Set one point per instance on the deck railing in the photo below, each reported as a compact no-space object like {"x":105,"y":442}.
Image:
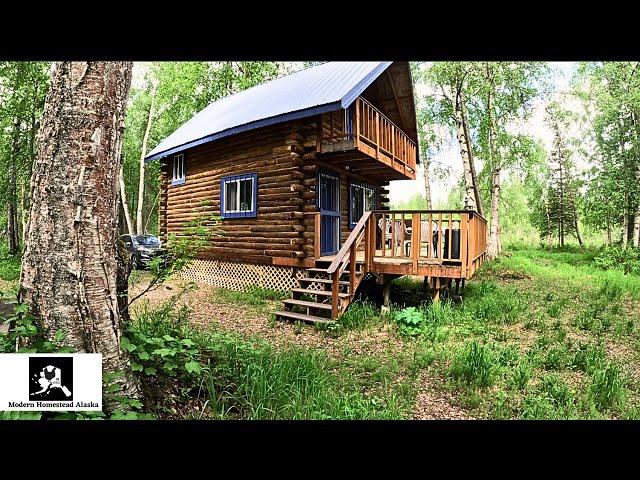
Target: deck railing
{"x":367,"y":129}
{"x":454,"y":238}
{"x":439,"y":243}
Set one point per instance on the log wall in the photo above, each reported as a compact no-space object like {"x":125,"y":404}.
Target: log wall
{"x":284,"y":157}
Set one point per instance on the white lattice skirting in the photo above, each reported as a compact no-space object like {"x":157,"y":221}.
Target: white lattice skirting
{"x":239,"y":276}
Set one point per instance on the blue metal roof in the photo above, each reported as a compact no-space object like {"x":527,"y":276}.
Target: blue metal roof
{"x":312,"y":91}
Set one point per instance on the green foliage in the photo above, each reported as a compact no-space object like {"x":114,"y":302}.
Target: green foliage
{"x":474,"y":364}
{"x":240,"y":378}
{"x":9,"y":265}
{"x":626,"y":259}
{"x":607,"y":388}
{"x":409,"y":321}
{"x":359,"y":315}
{"x":294,"y":383}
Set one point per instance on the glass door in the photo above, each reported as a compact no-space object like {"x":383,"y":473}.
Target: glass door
{"x":329,"y":205}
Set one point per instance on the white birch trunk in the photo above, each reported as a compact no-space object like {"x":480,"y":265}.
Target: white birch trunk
{"x":69,"y":268}
{"x":145,"y":139}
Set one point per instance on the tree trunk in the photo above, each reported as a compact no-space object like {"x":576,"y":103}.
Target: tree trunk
{"x":625,"y":229}
{"x":608,"y":232}
{"x":145,"y":139}
{"x":125,"y":205}
{"x":470,"y":202}
{"x":69,"y":268}
{"x":493,"y":245}
{"x":577,"y":231}
{"x":472,"y":163}
{"x":427,"y":184}
{"x":636,"y":223}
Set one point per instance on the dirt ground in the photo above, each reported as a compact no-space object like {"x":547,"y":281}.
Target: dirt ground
{"x":431,"y":403}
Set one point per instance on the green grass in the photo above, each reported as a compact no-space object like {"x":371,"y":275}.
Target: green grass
{"x":253,"y":296}
{"x":293,"y":383}
{"x":9,"y":273}
{"x":542,"y":333}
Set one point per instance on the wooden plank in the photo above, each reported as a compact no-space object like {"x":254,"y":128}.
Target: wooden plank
{"x":415,"y":239}
{"x":430,"y":236}
{"x":464,"y":238}
{"x":316,"y":235}
{"x":449,"y":242}
{"x":440,"y":242}
{"x":393,"y":234}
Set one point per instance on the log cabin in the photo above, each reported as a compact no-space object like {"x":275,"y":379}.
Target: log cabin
{"x":297,"y":171}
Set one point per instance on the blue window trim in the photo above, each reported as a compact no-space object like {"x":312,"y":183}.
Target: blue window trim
{"x":179,"y":181}
{"x":254,"y":208}
{"x":357,"y":183}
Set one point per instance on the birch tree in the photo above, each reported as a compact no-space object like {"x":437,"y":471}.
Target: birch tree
{"x":69,"y":268}
{"x":505,"y":95}
{"x":452,"y":84}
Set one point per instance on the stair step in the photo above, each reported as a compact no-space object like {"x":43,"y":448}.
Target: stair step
{"x":317,"y":270}
{"x":303,"y":317}
{"x":323,"y":293}
{"x":322,"y":280}
{"x":304,"y":303}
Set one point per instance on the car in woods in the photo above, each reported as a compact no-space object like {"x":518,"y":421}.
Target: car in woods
{"x":143,"y":249}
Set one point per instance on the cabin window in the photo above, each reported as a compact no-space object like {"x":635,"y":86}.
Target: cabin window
{"x":239,"y":196}
{"x":363,"y":199}
{"x":178,"y":170}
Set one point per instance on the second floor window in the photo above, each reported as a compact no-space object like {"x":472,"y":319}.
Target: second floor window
{"x":239,"y":196}
{"x":178,"y":170}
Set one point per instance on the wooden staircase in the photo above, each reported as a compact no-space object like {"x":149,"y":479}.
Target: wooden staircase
{"x":330,"y":286}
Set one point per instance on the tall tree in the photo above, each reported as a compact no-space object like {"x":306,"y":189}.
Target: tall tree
{"x":69,"y":266}
{"x":452,"y":84}
{"x":22,"y":87}
{"x":145,"y":141}
{"x":560,"y":216}
{"x":506,"y":92}
{"x":611,"y":90}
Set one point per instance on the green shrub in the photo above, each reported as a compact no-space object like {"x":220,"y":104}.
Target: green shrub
{"x":409,"y":321}
{"x":615,"y":257}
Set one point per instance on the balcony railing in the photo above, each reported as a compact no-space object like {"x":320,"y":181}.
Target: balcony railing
{"x":363,"y":127}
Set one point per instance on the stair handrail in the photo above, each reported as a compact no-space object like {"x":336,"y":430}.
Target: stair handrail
{"x":353,"y":236}
{"x":339,"y":262}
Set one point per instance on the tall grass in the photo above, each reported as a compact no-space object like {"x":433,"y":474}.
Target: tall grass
{"x":474,"y":364}
{"x":293,"y":383}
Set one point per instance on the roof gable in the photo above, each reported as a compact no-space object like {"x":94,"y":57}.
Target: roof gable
{"x":311,"y":91}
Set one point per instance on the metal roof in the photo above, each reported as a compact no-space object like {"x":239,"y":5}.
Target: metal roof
{"x":312,"y":91}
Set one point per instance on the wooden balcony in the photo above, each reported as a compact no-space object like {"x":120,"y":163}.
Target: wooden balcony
{"x":382,"y":149}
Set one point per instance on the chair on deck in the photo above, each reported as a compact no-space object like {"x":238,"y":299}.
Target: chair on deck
{"x":406,"y":244}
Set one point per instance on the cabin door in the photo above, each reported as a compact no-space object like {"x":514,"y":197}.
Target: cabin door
{"x":329,"y":205}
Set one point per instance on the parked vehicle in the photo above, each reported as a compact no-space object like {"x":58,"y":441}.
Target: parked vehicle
{"x":143,"y":249}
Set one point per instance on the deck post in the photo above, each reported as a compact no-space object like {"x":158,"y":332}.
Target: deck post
{"x":435,"y":294}
{"x":386,"y":290}
{"x":335,"y":290}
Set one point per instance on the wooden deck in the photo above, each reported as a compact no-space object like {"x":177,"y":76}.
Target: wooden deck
{"x":439,"y":245}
